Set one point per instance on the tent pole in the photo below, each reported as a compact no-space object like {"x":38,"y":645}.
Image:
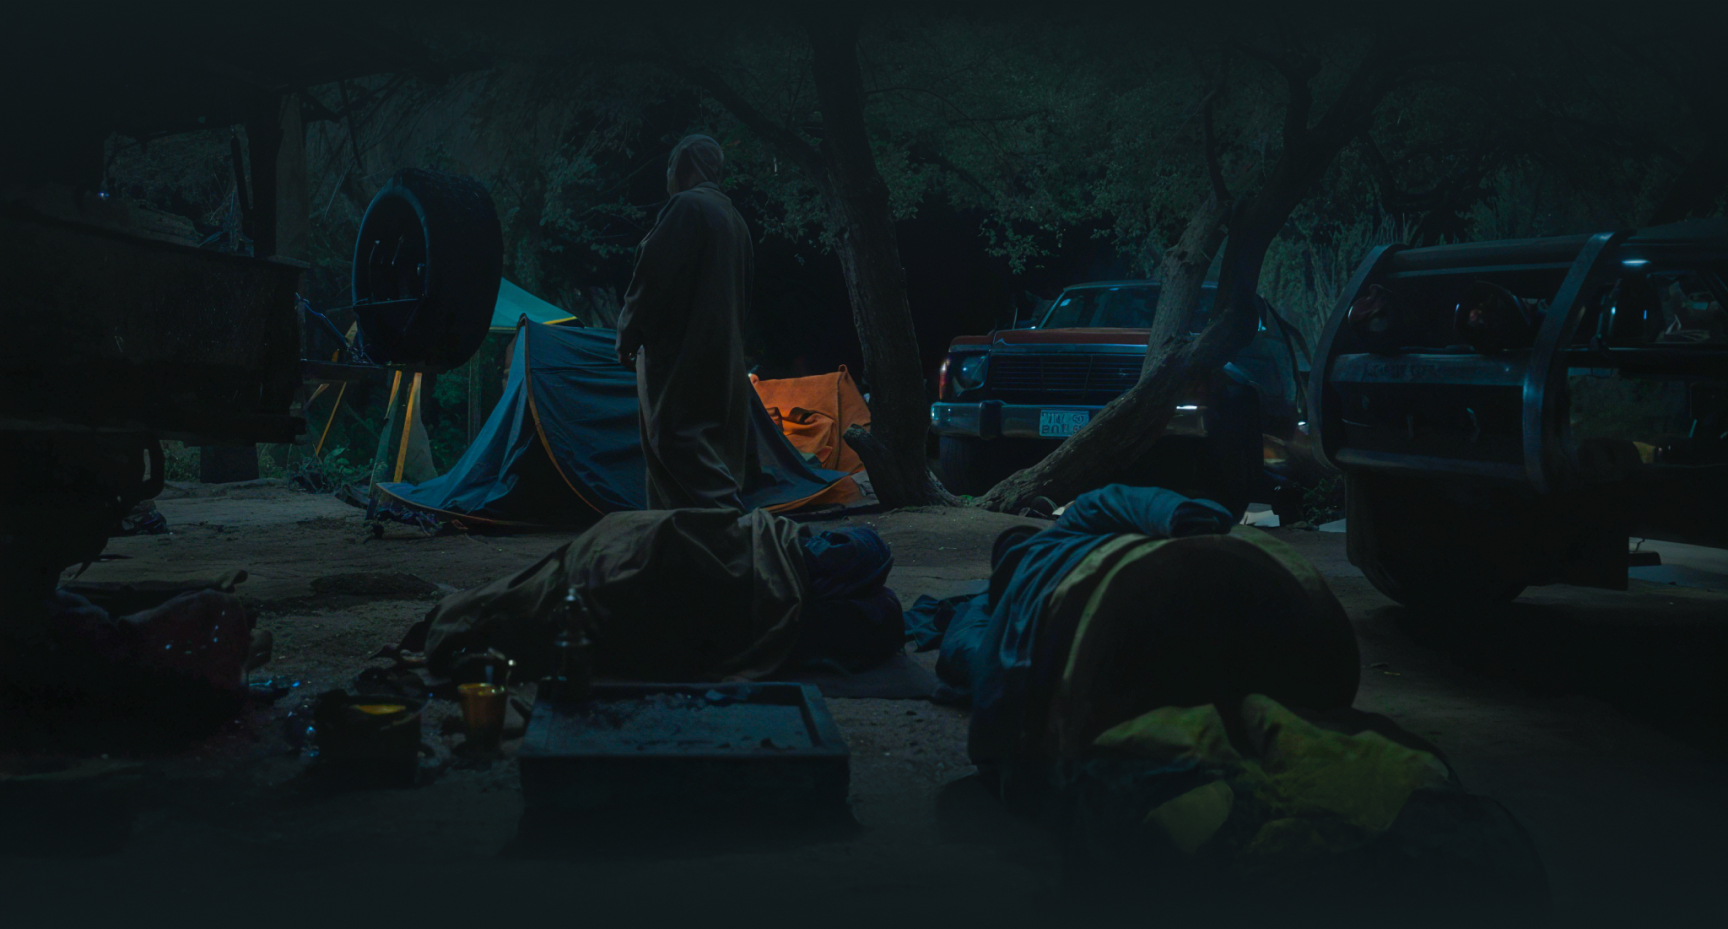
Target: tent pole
{"x":378,"y":458}
{"x":407,"y":427}
{"x":473,"y":397}
{"x":334,"y":409}
{"x":395,"y":382}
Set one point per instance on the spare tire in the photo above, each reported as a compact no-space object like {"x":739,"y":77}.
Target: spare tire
{"x":427,"y":263}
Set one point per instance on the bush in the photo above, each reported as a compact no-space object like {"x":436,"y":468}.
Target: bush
{"x":179,"y":461}
{"x":328,"y":474}
{"x":1323,"y":502}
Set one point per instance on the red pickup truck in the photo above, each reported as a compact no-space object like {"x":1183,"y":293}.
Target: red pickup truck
{"x":1007,"y":399}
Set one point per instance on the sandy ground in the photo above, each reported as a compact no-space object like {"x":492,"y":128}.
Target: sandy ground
{"x":1597,"y":717}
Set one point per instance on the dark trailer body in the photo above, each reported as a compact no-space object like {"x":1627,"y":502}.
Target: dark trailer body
{"x":120,"y":332}
{"x":1586,"y":408}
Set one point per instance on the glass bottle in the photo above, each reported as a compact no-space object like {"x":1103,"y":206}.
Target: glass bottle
{"x":572,"y":652}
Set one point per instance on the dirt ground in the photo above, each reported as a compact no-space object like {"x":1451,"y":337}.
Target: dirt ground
{"x":1596,"y":717}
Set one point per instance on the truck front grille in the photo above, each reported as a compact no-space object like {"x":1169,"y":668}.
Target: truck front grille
{"x":1069,"y":376}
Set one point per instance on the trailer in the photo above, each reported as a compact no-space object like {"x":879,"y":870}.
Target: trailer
{"x":1509,"y":414}
{"x":121,"y":331}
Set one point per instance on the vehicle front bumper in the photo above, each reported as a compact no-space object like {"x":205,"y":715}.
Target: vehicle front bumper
{"x":993,"y":419}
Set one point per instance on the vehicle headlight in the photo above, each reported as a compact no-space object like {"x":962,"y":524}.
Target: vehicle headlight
{"x":969,"y":372}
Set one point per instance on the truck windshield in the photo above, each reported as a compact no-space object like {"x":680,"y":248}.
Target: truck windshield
{"x":1129,"y":306}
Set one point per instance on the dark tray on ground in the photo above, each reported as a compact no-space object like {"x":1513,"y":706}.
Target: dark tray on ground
{"x":684,"y":751}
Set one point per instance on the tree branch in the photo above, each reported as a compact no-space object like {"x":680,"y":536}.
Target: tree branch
{"x":942,"y":161}
{"x":796,"y":148}
{"x":1296,"y":77}
{"x":961,"y":116}
{"x":319,"y":112}
{"x":1214,"y":169}
{"x":1353,"y":110}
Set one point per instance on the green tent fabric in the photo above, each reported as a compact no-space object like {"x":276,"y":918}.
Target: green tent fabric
{"x":515,"y":303}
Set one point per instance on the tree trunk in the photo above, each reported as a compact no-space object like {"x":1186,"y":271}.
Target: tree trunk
{"x":877,"y":458}
{"x":869,"y":254}
{"x":1182,"y":273}
{"x":264,"y":147}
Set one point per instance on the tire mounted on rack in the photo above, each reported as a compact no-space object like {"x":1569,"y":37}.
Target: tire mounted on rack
{"x":427,"y":263}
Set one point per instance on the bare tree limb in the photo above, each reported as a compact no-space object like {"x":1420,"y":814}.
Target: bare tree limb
{"x":959,"y":111}
{"x":1214,"y":169}
{"x":1296,"y":81}
{"x":353,"y":131}
{"x":794,"y":146}
{"x":942,"y":161}
{"x":1395,"y":200}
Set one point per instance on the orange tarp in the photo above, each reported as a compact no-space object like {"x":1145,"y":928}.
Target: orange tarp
{"x":814,"y":412}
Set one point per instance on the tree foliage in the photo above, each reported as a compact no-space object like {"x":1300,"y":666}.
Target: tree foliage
{"x":1051,"y":131}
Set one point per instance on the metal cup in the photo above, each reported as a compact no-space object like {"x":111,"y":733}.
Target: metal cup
{"x":483,"y":713}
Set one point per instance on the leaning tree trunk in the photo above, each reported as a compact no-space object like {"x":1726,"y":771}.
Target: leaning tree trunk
{"x":1182,"y":274}
{"x":1125,"y":429}
{"x":863,"y":222}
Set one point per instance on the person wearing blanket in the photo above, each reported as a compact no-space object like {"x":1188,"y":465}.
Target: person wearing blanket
{"x":1136,"y":598}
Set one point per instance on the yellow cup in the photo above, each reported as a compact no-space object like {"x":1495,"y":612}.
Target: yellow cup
{"x":483,"y":713}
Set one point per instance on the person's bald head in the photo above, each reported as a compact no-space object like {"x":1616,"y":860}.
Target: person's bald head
{"x":694,"y":160}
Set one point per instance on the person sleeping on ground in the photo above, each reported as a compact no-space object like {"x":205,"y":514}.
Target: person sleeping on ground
{"x":685,"y":595}
{"x":1170,"y":693}
{"x":1136,"y":598}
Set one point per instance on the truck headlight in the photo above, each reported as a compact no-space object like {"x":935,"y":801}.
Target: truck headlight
{"x":969,"y":372}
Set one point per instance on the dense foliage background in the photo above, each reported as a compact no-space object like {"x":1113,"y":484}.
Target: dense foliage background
{"x":1024,"y":150}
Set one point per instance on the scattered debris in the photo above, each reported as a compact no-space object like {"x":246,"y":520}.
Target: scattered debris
{"x":144,"y":519}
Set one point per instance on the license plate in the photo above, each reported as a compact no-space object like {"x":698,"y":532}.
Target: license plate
{"x":1061,"y":423}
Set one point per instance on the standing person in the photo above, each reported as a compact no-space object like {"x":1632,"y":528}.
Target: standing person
{"x":682,"y":329}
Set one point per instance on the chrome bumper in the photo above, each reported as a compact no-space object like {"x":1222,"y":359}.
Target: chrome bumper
{"x":993,"y":419}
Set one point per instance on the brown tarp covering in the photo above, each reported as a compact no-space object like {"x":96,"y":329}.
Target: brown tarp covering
{"x":814,"y":413}
{"x":677,"y":595}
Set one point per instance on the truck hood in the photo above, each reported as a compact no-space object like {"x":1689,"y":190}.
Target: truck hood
{"x":1035,"y":337}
